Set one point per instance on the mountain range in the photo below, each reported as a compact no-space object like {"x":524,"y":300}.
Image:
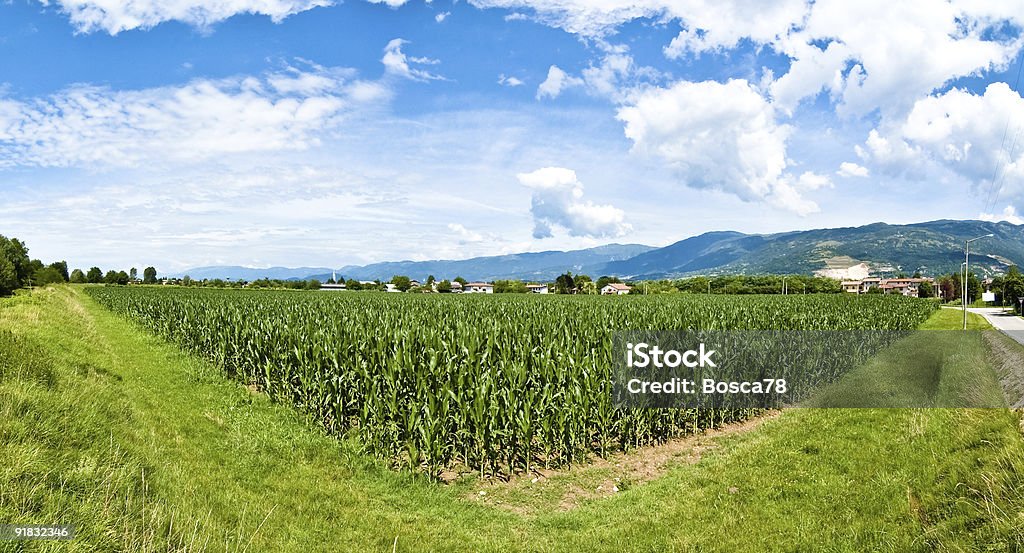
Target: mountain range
{"x":933,"y":248}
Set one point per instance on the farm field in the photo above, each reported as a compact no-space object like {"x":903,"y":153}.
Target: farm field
{"x":145,"y":446}
{"x":499,"y":384}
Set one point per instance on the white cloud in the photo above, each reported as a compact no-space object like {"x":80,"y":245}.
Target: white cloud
{"x":719,"y":136}
{"x":1009,"y":215}
{"x":849,"y":169}
{"x":974,"y":136}
{"x":464,"y":234}
{"x":590,"y":18}
{"x":96,"y":126}
{"x":509,"y":81}
{"x":871,"y":54}
{"x":397,"y":63}
{"x":558,"y":202}
{"x":615,"y":77}
{"x":441,"y":16}
{"x":556,"y":81}
{"x":114,"y":16}
{"x":884,"y":56}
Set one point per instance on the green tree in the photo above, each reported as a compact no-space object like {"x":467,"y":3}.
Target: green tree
{"x":874,"y":290}
{"x":973,"y":288}
{"x":94,"y":276}
{"x":15,"y":252}
{"x":444,"y":286}
{"x":313,"y":284}
{"x":925,"y":290}
{"x":62,"y":269}
{"x":353,"y":284}
{"x":1013,"y":287}
{"x":565,"y":284}
{"x":606,"y":280}
{"x":8,"y":277}
{"x":187,"y":280}
{"x":510,"y":287}
{"x":110,"y":277}
{"x":133,"y":274}
{"x":461,"y":280}
{"x":430,"y":281}
{"x":77,"y":277}
{"x":149,"y":275}
{"x":401,"y":282}
{"x":47,"y":275}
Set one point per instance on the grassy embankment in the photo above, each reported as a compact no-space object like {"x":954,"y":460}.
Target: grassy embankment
{"x":143,"y":447}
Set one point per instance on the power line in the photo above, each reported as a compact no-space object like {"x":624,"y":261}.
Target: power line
{"x":999,"y":169}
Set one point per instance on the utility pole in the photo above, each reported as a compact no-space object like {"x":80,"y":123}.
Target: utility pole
{"x":967,"y":270}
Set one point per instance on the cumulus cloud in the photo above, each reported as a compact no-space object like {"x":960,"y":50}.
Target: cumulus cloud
{"x":509,"y":81}
{"x":721,"y":137}
{"x":867,"y":55}
{"x":98,"y":126}
{"x":1009,"y":215}
{"x":442,"y":16}
{"x":556,"y":81}
{"x":397,"y":63}
{"x":884,"y":56}
{"x":961,"y":132}
{"x":558,"y":202}
{"x":114,"y":17}
{"x":850,"y":169}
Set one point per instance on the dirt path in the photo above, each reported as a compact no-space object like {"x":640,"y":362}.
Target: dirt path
{"x":566,"y":489}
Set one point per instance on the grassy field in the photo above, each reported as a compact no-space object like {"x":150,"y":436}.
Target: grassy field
{"x":145,"y":448}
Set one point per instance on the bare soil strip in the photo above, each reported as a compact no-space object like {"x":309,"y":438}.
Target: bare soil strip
{"x":567,"y":489}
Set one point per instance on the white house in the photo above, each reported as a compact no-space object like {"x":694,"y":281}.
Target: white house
{"x":537,"y":288}
{"x":478,"y":288}
{"x":904,"y":286}
{"x":615,"y":289}
{"x":456,"y":286}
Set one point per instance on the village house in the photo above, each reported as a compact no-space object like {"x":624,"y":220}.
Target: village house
{"x":456,"y":287}
{"x":904,"y":286}
{"x":615,"y":289}
{"x":478,"y":288}
{"x":537,"y":288}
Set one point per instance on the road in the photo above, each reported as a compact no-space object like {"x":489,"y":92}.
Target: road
{"x":1009,"y":324}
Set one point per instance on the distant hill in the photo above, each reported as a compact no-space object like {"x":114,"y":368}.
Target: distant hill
{"x":935,"y":247}
{"x":524,"y":266}
{"x":248,"y":273}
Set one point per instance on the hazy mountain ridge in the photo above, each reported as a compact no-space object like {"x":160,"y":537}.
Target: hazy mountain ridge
{"x":934,"y":247}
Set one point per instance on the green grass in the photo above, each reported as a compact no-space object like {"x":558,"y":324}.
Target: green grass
{"x":146,"y":448}
{"x":937,"y":367}
{"x":953,"y":319}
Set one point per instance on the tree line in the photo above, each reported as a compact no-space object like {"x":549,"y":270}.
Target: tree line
{"x":18,"y":270}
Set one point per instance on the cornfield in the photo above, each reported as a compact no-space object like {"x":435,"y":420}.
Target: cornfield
{"x":499,"y":384}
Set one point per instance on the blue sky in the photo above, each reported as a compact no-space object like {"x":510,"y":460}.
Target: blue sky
{"x":180,"y":133}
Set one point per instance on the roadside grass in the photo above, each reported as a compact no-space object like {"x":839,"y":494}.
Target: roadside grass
{"x":935,"y":367}
{"x":146,"y":448}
